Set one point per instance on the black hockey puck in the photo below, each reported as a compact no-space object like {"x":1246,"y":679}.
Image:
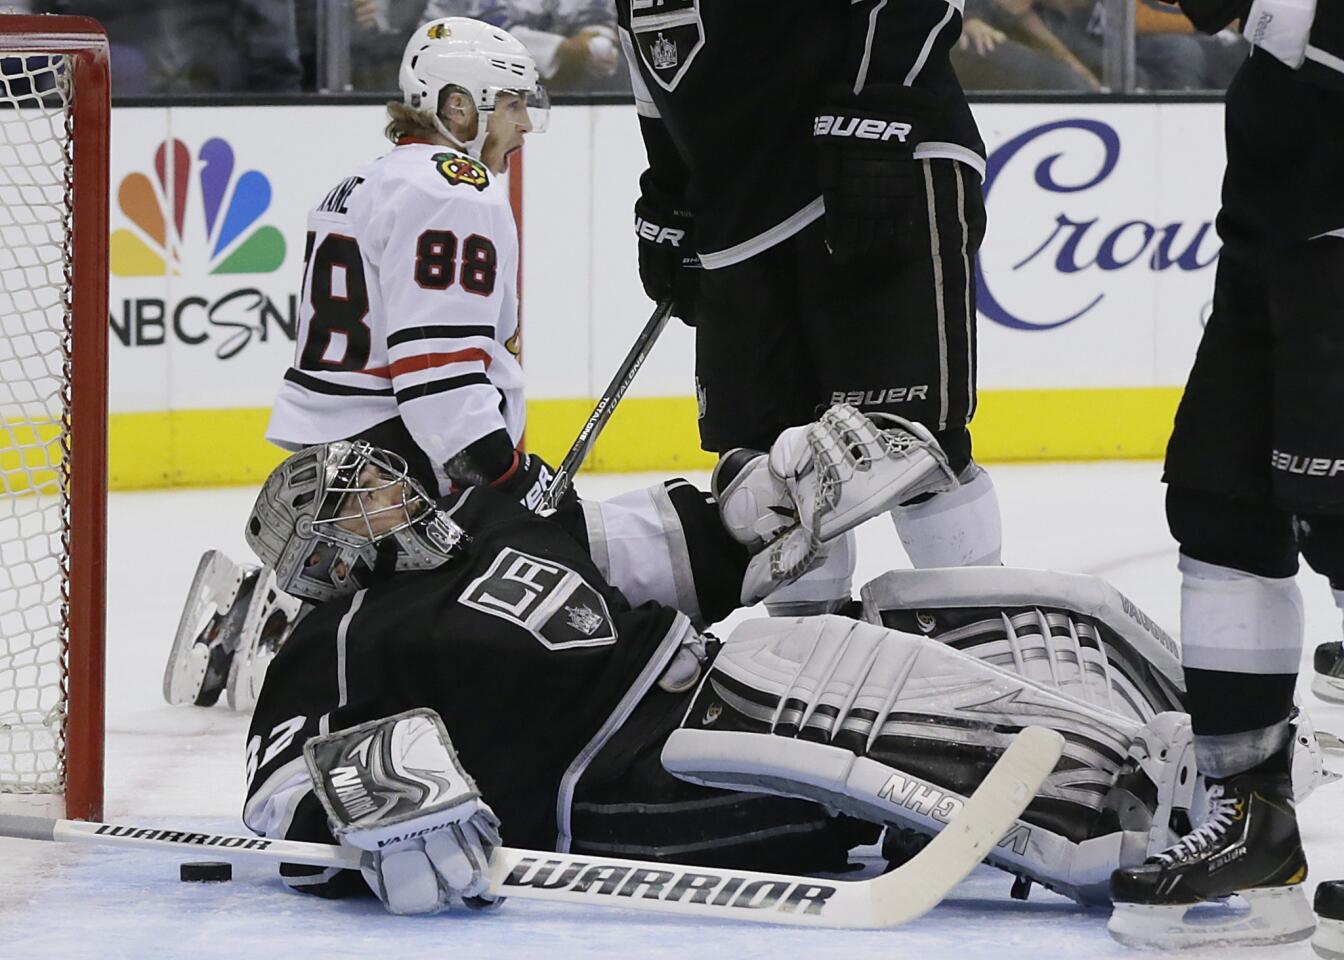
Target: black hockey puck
{"x":206,"y":871}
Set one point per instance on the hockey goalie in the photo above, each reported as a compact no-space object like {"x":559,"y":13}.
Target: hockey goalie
{"x":472,"y":672}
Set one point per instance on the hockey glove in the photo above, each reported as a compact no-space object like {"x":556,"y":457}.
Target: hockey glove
{"x":395,"y":789}
{"x":668,"y":263}
{"x":528,"y":480}
{"x":866,"y":167}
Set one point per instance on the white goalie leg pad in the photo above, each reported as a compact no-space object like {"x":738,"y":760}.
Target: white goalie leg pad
{"x":823,"y":589}
{"x":958,"y":528}
{"x":1162,"y":759}
{"x":1071,"y":632}
{"x":850,"y":469}
{"x":208,"y":630}
{"x":1237,"y":621}
{"x":271,"y":616}
{"x":863,"y":719}
{"x":1310,"y":747}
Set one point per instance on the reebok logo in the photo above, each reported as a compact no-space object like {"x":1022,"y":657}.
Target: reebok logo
{"x":1262,"y":23}
{"x":862,"y":128}
{"x":650,"y":231}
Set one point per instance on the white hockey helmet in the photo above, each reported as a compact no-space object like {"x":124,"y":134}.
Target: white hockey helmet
{"x":482,"y":59}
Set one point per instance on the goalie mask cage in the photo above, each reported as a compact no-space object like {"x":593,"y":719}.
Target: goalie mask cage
{"x":54,"y":118}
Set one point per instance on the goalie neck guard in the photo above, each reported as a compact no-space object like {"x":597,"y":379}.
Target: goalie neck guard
{"x":482,"y":59}
{"x":333,"y":518}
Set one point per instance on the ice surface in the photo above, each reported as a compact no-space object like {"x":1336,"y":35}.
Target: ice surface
{"x":183,"y":767}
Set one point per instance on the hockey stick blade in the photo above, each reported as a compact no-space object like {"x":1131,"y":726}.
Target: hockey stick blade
{"x":606,"y":405}
{"x":898,"y":897}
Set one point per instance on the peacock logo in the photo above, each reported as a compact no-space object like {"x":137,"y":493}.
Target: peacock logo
{"x":224,"y":236}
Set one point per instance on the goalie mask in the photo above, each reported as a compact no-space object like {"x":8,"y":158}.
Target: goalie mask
{"x":334,"y":518}
{"x":483,"y":60}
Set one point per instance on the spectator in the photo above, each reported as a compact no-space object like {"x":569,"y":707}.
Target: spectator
{"x":573,"y":41}
{"x":206,"y":46}
{"x":986,"y":58}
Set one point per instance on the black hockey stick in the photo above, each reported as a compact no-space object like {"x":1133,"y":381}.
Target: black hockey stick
{"x":894,"y":898}
{"x":583,"y":443}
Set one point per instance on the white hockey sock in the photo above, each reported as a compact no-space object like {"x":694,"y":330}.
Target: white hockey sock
{"x":1235,"y":621}
{"x":959,"y":528}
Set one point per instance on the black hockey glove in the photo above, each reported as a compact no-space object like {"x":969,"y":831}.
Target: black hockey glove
{"x":528,"y":480}
{"x":866,"y":167}
{"x":668,"y":263}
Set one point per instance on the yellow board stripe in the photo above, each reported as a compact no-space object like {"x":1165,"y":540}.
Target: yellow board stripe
{"x":647,"y":434}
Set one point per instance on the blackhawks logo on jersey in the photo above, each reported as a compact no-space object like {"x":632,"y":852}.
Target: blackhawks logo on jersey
{"x":457,"y":168}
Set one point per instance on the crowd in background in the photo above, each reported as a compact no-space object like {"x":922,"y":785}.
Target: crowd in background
{"x":271,"y":46}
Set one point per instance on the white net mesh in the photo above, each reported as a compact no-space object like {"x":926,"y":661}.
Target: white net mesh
{"x":36,"y":163}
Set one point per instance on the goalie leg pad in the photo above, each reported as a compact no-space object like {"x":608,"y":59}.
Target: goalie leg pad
{"x":208,"y":630}
{"x":898,"y":729}
{"x":824,"y":589}
{"x":1073,"y":633}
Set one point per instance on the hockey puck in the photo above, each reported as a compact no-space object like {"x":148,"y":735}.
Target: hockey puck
{"x":206,"y":871}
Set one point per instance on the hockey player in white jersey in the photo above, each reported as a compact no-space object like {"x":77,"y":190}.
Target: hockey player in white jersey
{"x":408,"y":324}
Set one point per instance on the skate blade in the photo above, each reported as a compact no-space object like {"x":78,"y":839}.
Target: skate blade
{"x":1251,"y":918}
{"x":212,"y":591}
{"x":1329,"y":939}
{"x":1328,"y":688}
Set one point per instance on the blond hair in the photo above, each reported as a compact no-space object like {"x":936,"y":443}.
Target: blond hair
{"x":404,"y":121}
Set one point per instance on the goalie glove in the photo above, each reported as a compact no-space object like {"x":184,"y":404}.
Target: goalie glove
{"x":395,"y":789}
{"x":866,"y":167}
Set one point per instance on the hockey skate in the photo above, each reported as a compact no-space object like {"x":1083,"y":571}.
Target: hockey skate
{"x":817,"y":482}
{"x":234,"y":621}
{"x":1328,"y":682}
{"x":271,"y":616}
{"x":208,"y":631}
{"x":1248,"y":846}
{"x":1329,"y":939}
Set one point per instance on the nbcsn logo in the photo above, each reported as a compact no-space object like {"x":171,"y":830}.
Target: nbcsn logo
{"x":230,"y":205}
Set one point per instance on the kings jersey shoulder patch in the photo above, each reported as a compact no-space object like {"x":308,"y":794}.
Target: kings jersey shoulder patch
{"x":458,"y":168}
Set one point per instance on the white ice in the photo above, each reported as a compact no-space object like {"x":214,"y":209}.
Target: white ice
{"x":183,"y":767}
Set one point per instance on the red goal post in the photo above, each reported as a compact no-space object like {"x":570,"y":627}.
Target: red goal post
{"x":54,"y":136}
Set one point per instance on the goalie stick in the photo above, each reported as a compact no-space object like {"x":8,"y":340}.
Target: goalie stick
{"x":897,"y":897}
{"x":606,"y":406}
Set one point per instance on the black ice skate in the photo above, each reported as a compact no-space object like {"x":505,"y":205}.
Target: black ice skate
{"x":1248,"y":845}
{"x":1329,"y":939}
{"x":1328,"y":682}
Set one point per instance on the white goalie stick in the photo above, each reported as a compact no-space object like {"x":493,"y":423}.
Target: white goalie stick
{"x":606,"y":406}
{"x":894,"y":898}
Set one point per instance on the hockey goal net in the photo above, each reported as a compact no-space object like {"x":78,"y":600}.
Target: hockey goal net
{"x":54,"y":117}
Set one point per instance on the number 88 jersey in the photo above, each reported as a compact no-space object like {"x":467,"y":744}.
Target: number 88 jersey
{"x":409,"y":308}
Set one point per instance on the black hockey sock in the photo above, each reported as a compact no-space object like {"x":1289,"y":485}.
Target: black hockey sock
{"x":1222,"y":702}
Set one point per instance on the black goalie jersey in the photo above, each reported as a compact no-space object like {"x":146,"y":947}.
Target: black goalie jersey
{"x":530,"y":658}
{"x":727,"y":91}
